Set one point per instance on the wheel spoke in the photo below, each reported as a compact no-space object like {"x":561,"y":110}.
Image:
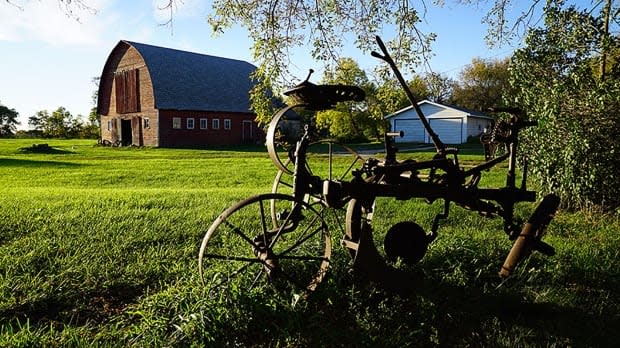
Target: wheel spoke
{"x":238,"y":231}
{"x":301,"y":257}
{"x":289,"y":218}
{"x":263,"y":222}
{"x":299,"y":242}
{"x":232,"y":275}
{"x":286,"y":184}
{"x":327,"y":159}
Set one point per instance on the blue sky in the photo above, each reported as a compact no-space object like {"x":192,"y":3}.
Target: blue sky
{"x":48,"y":60}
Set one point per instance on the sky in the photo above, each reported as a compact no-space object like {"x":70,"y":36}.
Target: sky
{"x":48,"y":59}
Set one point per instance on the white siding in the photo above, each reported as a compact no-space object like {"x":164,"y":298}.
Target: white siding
{"x":476,"y":125}
{"x":449,"y":130}
{"x":412,"y":128}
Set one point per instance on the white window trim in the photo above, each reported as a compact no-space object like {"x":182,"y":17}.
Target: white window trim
{"x":215,"y":123}
{"x":176,"y":121}
{"x":188,"y":121}
{"x":227,"y":124}
{"x":146,"y":122}
{"x":206,"y":123}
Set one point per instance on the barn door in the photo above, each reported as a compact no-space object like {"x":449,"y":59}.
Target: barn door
{"x":136,"y":129}
{"x":126,"y":134}
{"x":247,"y":132}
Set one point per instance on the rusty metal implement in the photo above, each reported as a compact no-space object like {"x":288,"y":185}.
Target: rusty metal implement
{"x":284,"y":238}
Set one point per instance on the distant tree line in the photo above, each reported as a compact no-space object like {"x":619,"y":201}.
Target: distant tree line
{"x":60,"y":123}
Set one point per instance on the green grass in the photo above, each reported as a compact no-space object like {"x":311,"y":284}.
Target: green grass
{"x":98,"y":246}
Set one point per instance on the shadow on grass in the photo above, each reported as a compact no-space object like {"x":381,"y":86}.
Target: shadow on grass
{"x":43,"y":149}
{"x":76,"y":310}
{"x":441,"y":314}
{"x":465,"y":314}
{"x":430,"y":313}
{"x":13,"y":162}
{"x":487,"y":312}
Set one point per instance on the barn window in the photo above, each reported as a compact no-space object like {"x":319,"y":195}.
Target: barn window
{"x":215,"y":123}
{"x":176,"y":122}
{"x":147,"y":123}
{"x":109,"y":125}
{"x":227,"y":123}
{"x":127,"y":91}
{"x":190,"y":123}
{"x":203,"y":123}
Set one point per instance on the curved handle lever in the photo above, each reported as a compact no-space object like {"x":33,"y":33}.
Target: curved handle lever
{"x":386,"y":56}
{"x":439,"y":146}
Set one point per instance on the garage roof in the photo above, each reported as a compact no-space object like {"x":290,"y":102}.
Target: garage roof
{"x":462,"y":111}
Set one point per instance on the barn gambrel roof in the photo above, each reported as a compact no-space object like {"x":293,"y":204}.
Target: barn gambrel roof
{"x":191,"y":81}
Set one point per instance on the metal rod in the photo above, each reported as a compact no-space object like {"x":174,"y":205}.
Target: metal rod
{"x":439,"y":146}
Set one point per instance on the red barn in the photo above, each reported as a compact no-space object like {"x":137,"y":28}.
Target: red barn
{"x":156,"y":96}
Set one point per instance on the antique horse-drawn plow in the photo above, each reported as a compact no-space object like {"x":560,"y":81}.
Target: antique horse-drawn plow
{"x":285,"y":239}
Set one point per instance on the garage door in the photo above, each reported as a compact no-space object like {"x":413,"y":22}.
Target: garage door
{"x":413,"y":129}
{"x":448,"y":129}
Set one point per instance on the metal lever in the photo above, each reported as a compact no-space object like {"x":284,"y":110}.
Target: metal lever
{"x":439,"y":146}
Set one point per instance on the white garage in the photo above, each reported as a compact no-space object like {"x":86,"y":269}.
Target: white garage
{"x":453,"y":124}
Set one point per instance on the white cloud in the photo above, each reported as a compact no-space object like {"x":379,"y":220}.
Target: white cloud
{"x":48,"y":22}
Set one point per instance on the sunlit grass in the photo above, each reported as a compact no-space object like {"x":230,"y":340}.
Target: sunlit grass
{"x":98,"y":246}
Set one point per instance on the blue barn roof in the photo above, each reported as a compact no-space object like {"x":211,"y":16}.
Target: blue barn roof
{"x":191,"y":81}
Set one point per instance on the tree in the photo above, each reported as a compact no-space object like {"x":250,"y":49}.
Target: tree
{"x":574,"y":151}
{"x":439,"y":87}
{"x":483,"y":84}
{"x":58,"y":124}
{"x":432,"y":86}
{"x":92,"y":128}
{"x":390,"y":97}
{"x":276,"y":27}
{"x":349,"y":121}
{"x":8,"y":121}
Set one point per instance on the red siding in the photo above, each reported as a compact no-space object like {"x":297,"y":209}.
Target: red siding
{"x":171,"y":137}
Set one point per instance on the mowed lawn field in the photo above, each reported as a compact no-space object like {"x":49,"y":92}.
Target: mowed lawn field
{"x":98,"y":246}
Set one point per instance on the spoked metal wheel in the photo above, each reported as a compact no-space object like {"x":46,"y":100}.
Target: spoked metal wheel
{"x":246,"y":247}
{"x":326,"y":159}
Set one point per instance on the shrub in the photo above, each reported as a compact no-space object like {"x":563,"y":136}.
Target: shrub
{"x":575,"y":149}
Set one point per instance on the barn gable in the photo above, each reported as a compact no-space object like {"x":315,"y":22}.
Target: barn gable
{"x":453,"y":124}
